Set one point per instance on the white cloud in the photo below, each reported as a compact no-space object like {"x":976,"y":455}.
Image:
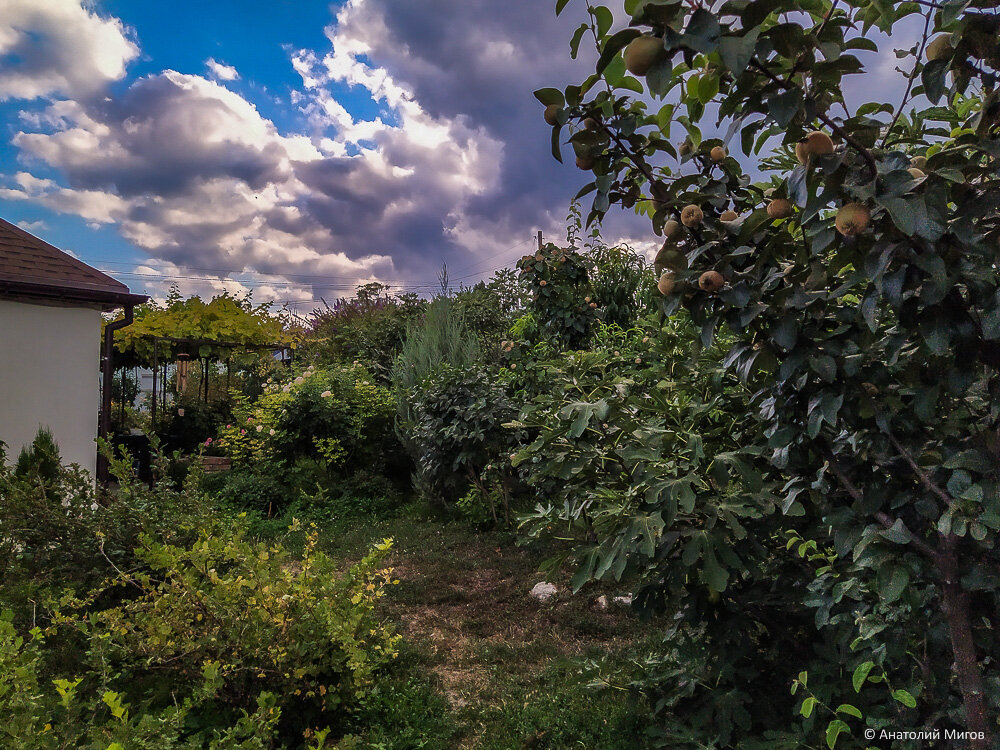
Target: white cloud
{"x":60,"y":47}
{"x":221,"y":71}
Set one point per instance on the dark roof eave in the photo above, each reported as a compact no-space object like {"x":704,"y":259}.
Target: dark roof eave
{"x":108,"y":299}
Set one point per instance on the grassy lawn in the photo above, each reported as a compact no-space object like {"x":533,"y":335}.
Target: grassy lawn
{"x":483,"y":665}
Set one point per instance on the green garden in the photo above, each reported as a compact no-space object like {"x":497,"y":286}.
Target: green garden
{"x":760,"y":470}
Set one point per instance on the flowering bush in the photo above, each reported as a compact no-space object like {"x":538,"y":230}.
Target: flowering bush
{"x":338,"y":416}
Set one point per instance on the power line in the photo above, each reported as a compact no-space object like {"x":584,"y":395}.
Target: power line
{"x":244,"y":282}
{"x":348,"y":281}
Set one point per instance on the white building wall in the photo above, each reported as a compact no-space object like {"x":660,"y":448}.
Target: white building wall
{"x":49,"y":362}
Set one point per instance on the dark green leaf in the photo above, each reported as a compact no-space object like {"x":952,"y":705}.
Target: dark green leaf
{"x":550,"y":96}
{"x":615,"y":44}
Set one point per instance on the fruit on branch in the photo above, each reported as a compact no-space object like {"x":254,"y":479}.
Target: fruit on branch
{"x":717,"y":154}
{"x":816,"y":143}
{"x":940,"y":48}
{"x":729,"y":215}
{"x":551,"y":114}
{"x":593,"y":305}
{"x":671,"y":227}
{"x":711,"y":282}
{"x":917,"y":174}
{"x":779,"y":208}
{"x":642,"y":53}
{"x":669,"y":257}
{"x":692,"y":216}
{"x":685,"y":148}
{"x":543,"y":282}
{"x":920,"y":162}
{"x":666,"y":283}
{"x":852,"y":219}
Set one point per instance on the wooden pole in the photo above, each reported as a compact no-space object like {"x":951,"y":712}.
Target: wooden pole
{"x":539,"y":239}
{"x":156,"y":370}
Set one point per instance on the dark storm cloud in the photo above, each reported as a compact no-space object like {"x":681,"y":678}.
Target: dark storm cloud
{"x":482,"y":60}
{"x":161,"y":140}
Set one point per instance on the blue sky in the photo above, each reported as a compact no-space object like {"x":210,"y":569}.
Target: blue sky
{"x":291,"y":147}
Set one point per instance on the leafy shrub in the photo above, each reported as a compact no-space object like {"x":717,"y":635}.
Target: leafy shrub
{"x":41,"y":714}
{"x":369,"y":329}
{"x":442,"y":337}
{"x":338,"y":417}
{"x":623,"y":287}
{"x":489,"y":309}
{"x":58,"y":531}
{"x":271,"y":623}
{"x":261,"y":493}
{"x":39,"y":461}
{"x":458,"y":430}
{"x":560,"y":296}
{"x":160,"y":625}
{"x":639,"y":456}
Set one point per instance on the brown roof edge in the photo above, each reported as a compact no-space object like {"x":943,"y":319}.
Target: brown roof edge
{"x":88,"y":275}
{"x":108,"y":299}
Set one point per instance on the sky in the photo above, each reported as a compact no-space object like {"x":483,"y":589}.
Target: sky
{"x":290,"y":147}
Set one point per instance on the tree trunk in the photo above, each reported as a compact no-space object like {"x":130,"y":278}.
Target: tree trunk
{"x":955,"y":604}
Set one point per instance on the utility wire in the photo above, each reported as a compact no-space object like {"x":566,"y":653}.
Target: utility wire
{"x":349,"y":281}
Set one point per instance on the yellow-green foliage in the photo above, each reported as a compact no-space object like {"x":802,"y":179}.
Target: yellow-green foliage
{"x":257,"y":647}
{"x":42,"y":714}
{"x":271,"y":623}
{"x":223,"y":318}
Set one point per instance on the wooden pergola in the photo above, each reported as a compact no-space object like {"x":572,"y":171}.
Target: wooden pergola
{"x":194,"y":344}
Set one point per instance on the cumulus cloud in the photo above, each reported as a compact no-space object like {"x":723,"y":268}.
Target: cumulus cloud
{"x":221,"y":71}
{"x":157,"y":277}
{"x":59,"y":47}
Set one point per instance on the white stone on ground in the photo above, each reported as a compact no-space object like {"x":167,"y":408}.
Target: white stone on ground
{"x":543,"y":591}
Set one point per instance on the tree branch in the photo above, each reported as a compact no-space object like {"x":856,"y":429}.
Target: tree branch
{"x":922,"y":475}
{"x":642,"y":167}
{"x":911,"y":79}
{"x":844,"y":135}
{"x":826,"y":18}
{"x":883,"y":518}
